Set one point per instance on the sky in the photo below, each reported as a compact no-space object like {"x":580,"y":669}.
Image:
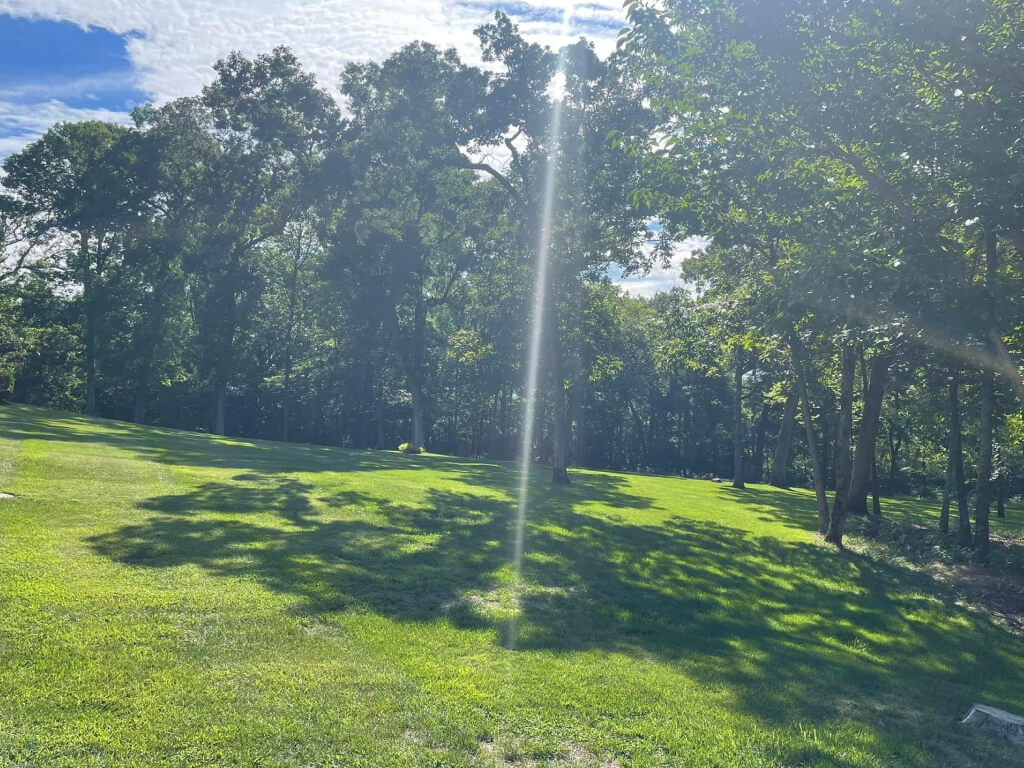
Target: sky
{"x":97,"y":59}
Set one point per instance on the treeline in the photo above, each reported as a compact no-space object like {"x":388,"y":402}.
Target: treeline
{"x":257,"y":261}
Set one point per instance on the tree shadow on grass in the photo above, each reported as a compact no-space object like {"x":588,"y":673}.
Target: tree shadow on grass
{"x":286,"y":497}
{"x":794,"y":631}
{"x":792,"y":508}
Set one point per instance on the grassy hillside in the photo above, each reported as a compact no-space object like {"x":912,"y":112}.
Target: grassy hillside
{"x":183,"y":600}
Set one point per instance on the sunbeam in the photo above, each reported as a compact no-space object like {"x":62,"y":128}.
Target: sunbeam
{"x":540,"y":290}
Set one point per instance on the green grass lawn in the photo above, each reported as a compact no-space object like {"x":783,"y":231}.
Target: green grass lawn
{"x":170,"y":599}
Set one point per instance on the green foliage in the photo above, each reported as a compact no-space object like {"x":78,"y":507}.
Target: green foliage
{"x":409,"y":448}
{"x":249,"y":260}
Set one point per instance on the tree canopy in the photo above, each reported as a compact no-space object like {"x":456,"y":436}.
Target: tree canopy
{"x":356,"y":266}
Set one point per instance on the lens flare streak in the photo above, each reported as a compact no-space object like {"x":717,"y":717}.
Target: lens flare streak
{"x":536,"y":338}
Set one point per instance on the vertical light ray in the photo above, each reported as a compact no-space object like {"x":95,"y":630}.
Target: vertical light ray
{"x":536,"y":340}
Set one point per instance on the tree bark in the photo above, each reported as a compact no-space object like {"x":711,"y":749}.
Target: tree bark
{"x":876,"y":504}
{"x":417,"y":414}
{"x":756,"y":474}
{"x":220,"y":406}
{"x":379,"y":409}
{"x":844,"y":467}
{"x":286,"y":406}
{"x":149,"y":335}
{"x":947,"y":494}
{"x":89,"y":299}
{"x":780,"y":462}
{"x":983,"y":488}
{"x":224,"y":364}
{"x":864,"y":456}
{"x":737,"y":425}
{"x":812,"y":443}
{"x":560,"y":432}
{"x":582,"y":432}
{"x":987,"y":397}
{"x":957,"y":458}
{"x":141,"y":398}
{"x":289,"y":352}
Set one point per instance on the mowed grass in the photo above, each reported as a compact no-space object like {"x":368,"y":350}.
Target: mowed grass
{"x":170,"y":599}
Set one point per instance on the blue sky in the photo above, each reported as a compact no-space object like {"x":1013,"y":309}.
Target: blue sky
{"x":81,"y":59}
{"x":49,"y":68}
{"x":97,"y":59}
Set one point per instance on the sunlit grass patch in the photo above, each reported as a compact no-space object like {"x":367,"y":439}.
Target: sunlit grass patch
{"x":174,"y":599}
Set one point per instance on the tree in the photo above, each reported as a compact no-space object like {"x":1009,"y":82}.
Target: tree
{"x":74,"y":181}
{"x":272,"y":124}
{"x":568,"y":187}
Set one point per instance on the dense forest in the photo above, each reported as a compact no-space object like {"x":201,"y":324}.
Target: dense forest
{"x":273,"y":259}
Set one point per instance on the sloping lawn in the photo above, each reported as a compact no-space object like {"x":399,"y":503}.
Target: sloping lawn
{"x":170,"y":599}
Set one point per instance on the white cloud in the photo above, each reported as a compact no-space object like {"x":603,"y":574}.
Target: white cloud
{"x":47,"y":89}
{"x":175,"y":42}
{"x":24,"y":123}
{"x":662,"y":278}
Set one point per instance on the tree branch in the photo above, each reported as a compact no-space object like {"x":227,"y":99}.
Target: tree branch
{"x":496,"y":174}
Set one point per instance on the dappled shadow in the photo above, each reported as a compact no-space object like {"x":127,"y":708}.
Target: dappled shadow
{"x":286,"y":497}
{"x":795,"y":631}
{"x":789,"y":632}
{"x":792,"y":508}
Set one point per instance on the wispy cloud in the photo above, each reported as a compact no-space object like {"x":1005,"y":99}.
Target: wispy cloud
{"x":661,"y":278}
{"x":46,"y":88}
{"x":24,"y":123}
{"x":172,"y":44}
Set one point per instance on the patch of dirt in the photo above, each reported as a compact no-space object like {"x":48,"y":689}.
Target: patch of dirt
{"x":995,"y":589}
{"x":574,"y":756}
{"x":482,"y":602}
{"x":417,"y":738}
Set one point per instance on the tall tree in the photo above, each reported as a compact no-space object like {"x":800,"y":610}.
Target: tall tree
{"x":273,"y":125}
{"x":75,"y":181}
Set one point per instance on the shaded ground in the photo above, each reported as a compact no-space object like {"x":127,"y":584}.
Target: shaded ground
{"x":295,"y":605}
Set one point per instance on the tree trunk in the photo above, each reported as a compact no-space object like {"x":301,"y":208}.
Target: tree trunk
{"x":947,"y":494}
{"x":864,"y":456}
{"x":983,"y":488}
{"x":224,"y":364}
{"x":987,"y":396}
{"x":286,"y":407}
{"x":89,"y":300}
{"x":582,"y":432}
{"x":876,"y":504}
{"x":780,"y":462}
{"x":843,"y":457}
{"x":823,"y":412}
{"x":221,"y":402}
{"x":560,"y":433}
{"x":737,"y":425}
{"x":141,"y":397}
{"x":293,"y":304}
{"x":149,"y":334}
{"x":812,"y":443}
{"x":757,"y":463}
{"x":417,"y":415}
{"x":957,"y":458}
